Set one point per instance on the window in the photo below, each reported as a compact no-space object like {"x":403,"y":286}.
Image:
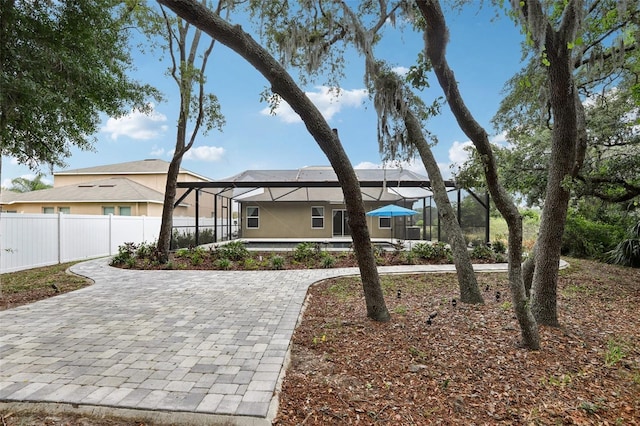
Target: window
{"x":124,"y":211}
{"x":317,"y":217}
{"x":65,"y":210}
{"x":108,"y":210}
{"x":253,"y":217}
{"x":384,"y":222}
{"x":48,"y":210}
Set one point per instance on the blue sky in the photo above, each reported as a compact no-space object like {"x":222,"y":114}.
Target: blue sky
{"x":484,"y":54}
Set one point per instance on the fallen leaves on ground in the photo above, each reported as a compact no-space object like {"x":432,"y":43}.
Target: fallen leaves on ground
{"x":467,"y":366}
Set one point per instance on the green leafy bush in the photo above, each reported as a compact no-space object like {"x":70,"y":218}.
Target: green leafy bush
{"x":277,"y":262}
{"x":435,"y":251}
{"x":482,"y":252}
{"x":224,"y":263}
{"x":410,"y":257}
{"x":585,"y":238}
{"x":183,"y":252}
{"x":627,"y":252}
{"x":304,"y":251}
{"x":235,"y":250}
{"x":499,"y":246}
{"x":185,"y":238}
{"x":125,"y":256}
{"x":145,"y":251}
{"x":328,"y":261}
{"x":250,"y":263}
{"x":196,"y":258}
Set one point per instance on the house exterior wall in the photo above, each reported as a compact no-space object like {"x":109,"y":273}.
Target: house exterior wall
{"x":293,"y":220}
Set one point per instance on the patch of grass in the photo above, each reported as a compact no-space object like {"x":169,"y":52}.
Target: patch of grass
{"x":418,"y":355}
{"x":561,"y":381}
{"x":400,"y":310}
{"x":506,"y":306}
{"x":616,"y":350}
{"x":342,"y":288}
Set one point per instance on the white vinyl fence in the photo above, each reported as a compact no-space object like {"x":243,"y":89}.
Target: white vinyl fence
{"x":33,"y":240}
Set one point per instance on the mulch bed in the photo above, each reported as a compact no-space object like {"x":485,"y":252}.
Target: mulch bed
{"x":466,"y":367}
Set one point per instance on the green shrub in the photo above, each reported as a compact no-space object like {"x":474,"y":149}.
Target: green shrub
{"x":627,"y":252}
{"x":250,"y":263}
{"x":423,"y":250}
{"x":482,"y":253}
{"x":145,"y":250}
{"x":224,"y":263}
{"x":304,"y":251}
{"x":277,"y":262}
{"x":185,"y":238}
{"x":235,"y":250}
{"x":126,"y":253}
{"x":435,"y":251}
{"x":183,"y":252}
{"x":499,"y":247}
{"x":328,"y":261}
{"x":585,"y":238}
{"x":196,"y":258}
{"x":410,"y":257}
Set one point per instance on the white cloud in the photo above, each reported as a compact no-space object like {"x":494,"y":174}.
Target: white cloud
{"x":137,"y":125}
{"x":458,"y":154}
{"x":205,"y":153}
{"x":157,"y":151}
{"x":329,"y":101}
{"x":401,"y":71}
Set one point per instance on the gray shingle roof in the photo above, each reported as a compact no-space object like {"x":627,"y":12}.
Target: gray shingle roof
{"x":150,"y":166}
{"x":103,"y":190}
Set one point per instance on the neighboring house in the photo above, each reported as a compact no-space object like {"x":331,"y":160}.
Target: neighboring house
{"x":129,"y":189}
{"x":308,"y":203}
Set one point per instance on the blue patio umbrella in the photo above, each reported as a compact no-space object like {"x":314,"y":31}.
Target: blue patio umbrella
{"x":391,"y":210}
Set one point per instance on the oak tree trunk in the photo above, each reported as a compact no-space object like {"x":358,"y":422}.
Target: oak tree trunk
{"x":436,"y":37}
{"x":561,"y":166}
{"x":467,"y":282}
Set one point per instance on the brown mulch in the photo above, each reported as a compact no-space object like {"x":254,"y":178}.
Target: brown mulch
{"x":467,"y":366}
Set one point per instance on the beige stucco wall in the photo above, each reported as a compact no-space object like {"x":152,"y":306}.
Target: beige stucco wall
{"x":293,"y":220}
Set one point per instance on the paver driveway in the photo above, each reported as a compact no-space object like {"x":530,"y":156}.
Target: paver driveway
{"x":201,"y":342}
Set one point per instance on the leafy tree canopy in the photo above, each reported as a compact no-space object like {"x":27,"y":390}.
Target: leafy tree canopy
{"x":22,"y":184}
{"x":606,"y":73}
{"x":62,"y":65}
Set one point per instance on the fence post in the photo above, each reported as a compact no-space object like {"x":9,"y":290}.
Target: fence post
{"x":60,"y":237}
{"x":110,"y":234}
